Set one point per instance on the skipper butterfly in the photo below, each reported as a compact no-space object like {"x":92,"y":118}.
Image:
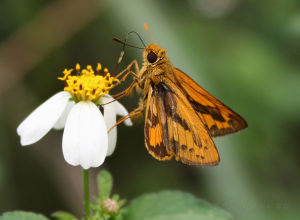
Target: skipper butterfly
{"x":181,"y":117}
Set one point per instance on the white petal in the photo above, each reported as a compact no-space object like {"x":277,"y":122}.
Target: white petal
{"x":110,"y":114}
{"x":85,"y":136}
{"x":121,"y":110}
{"x":60,"y":124}
{"x":110,"y":120}
{"x":42,"y":119}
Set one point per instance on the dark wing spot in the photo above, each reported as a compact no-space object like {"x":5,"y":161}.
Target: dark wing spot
{"x":214,"y":112}
{"x":180,"y":121}
{"x":159,"y":150}
{"x":153,"y":118}
{"x":213,"y":127}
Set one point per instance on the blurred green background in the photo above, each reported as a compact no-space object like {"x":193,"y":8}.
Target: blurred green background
{"x":246,"y":53}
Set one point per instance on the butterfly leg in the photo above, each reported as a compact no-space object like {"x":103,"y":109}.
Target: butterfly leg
{"x":128,"y":71}
{"x":126,"y":92}
{"x":136,"y":112}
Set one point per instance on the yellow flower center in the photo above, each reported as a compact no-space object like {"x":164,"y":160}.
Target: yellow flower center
{"x":85,"y":85}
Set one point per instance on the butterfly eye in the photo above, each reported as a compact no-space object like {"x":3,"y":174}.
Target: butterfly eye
{"x":152,"y":57}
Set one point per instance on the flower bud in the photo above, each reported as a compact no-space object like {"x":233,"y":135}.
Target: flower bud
{"x":111,"y":206}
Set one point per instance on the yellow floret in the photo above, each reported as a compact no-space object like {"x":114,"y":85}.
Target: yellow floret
{"x":86,"y":86}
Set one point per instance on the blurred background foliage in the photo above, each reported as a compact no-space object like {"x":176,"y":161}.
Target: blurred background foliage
{"x":246,"y":53}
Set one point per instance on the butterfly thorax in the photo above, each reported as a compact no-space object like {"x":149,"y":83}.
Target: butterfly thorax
{"x":156,"y":67}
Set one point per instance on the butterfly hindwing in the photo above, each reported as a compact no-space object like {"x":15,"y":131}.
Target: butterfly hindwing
{"x":155,"y":137}
{"x":219,"y":118}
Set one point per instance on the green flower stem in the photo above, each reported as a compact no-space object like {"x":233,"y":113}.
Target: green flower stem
{"x":86,"y":193}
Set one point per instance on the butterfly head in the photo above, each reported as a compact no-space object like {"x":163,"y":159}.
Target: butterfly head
{"x":154,"y":55}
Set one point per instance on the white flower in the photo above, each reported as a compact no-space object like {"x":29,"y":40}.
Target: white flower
{"x":110,"y":111}
{"x":85,"y":139}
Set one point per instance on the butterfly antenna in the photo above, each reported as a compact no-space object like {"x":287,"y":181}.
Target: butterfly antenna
{"x":123,"y":49}
{"x":137,"y":34}
{"x":147,"y":29}
{"x":126,"y":44}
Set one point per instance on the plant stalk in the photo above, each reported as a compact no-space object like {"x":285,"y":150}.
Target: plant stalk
{"x":86,"y":189}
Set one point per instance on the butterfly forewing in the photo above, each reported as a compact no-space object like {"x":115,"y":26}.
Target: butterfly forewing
{"x":182,"y":131}
{"x":219,"y":119}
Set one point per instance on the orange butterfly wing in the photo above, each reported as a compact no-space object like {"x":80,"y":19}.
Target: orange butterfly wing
{"x":155,"y":136}
{"x":219,"y":119}
{"x":172,"y":127}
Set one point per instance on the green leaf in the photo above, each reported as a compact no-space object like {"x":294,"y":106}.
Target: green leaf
{"x":60,"y":215}
{"x":173,"y":205}
{"x":116,"y":197}
{"x":21,"y":215}
{"x":122,"y":202}
{"x":105,"y":182}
